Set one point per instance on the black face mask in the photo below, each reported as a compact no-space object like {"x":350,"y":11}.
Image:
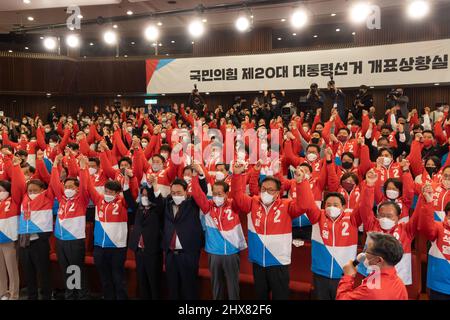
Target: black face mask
{"x":431,"y":170}
{"x":347,"y":165}
{"x":315,"y":140}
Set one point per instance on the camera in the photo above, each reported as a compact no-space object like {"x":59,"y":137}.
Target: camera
{"x":394,"y":94}
{"x":286,"y":113}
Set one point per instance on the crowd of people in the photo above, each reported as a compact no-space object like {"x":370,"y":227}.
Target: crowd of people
{"x":168,"y":184}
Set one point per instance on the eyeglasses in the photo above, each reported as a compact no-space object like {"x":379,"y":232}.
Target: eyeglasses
{"x":270,"y":191}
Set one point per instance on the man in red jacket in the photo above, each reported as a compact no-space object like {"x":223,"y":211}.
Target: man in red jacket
{"x":383,"y":252}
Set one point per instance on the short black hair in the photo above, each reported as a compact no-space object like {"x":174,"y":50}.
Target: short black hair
{"x":428,"y":131}
{"x":5,"y":184}
{"x":222,"y":184}
{"x":273,"y":179}
{"x":345,"y":129}
{"x":7,"y":146}
{"x":223,"y":164}
{"x":387,"y":127}
{"x":180,"y":182}
{"x":126,"y":159}
{"x":165,"y":147}
{"x":306,"y":164}
{"x":397,"y":183}
{"x":75,"y":181}
{"x":41,"y":184}
{"x":385,"y":149}
{"x":73,"y":146}
{"x":348,"y":154}
{"x":159,"y":156}
{"x":96,"y":160}
{"x":335,"y":194}
{"x":113,"y":185}
{"x":21,"y":153}
{"x":390,"y":203}
{"x":314,"y":146}
{"x":387,"y":247}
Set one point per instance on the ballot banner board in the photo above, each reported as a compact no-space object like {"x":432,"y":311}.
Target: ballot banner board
{"x":387,"y":65}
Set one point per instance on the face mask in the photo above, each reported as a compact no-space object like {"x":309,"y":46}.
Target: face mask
{"x":165,"y":155}
{"x":33,"y":196}
{"x":163,"y":135}
{"x":274,"y":102}
{"x":348,"y":186}
{"x":220,"y":176}
{"x":47,"y":130}
{"x":333,"y":212}
{"x":164,"y":119}
{"x":24,"y":121}
{"x":342,"y":138}
{"x":4,"y":195}
{"x":92,"y":171}
{"x":311,"y":157}
{"x":386,"y":161}
{"x":178,"y":199}
{"x":69,"y":193}
{"x":347,"y":165}
{"x":305,"y":129}
{"x":52,"y":144}
{"x":392,"y":194}
{"x":109,"y":198}
{"x":266,"y":198}
{"x":366,"y":264}
{"x":446,"y":183}
{"x":108,"y":123}
{"x":430,"y":170}
{"x":144,"y":144}
{"x":129,"y":129}
{"x":156,"y":167}
{"x":307,"y":176}
{"x":219,"y":201}
{"x":145,"y":202}
{"x":315,"y":140}
{"x":187,"y":179}
{"x":386,"y":223}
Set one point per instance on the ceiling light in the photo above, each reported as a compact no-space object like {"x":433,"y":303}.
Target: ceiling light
{"x":279,"y":39}
{"x":80,"y":16}
{"x":371,"y":87}
{"x":125,"y":56}
{"x":30,"y":18}
{"x":73,"y":41}
{"x":110,"y":37}
{"x":299,"y":18}
{"x":130,"y":13}
{"x":353,"y":33}
{"x":119,"y":95}
{"x":207,"y":93}
{"x":337,"y":30}
{"x":192,"y":42}
{"x":115,"y":26}
{"x":196,"y":28}
{"x":436,"y":84}
{"x":359,"y":12}
{"x":294,"y":34}
{"x":133,"y":43}
{"x":173,"y":41}
{"x":160,"y":44}
{"x":283,"y":20}
{"x":91,"y":44}
{"x":333,"y":14}
{"x":418,"y":9}
{"x":50,"y":43}
{"x":242,"y":24}
{"x":42,"y":38}
{"x":204,"y":20}
{"x":151,"y":33}
{"x":315,"y":36}
{"x":10,"y":51}
{"x":26,"y":48}
{"x":159,"y":23}
{"x":48,"y":94}
{"x":27,"y":1}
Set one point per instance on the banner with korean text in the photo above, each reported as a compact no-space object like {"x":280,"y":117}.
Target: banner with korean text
{"x":423,"y":62}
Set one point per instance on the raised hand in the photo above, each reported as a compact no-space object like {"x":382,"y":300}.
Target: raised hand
{"x":371,"y":177}
{"x":40,"y":155}
{"x":299,"y":175}
{"x":329,"y":154}
{"x":238,"y":167}
{"x":427,"y":192}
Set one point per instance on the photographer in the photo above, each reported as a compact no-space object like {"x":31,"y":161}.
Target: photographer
{"x":196,"y":101}
{"x":396,"y":98}
{"x":337,"y":98}
{"x":275,"y":103}
{"x":363,"y":101}
{"x":314,"y":98}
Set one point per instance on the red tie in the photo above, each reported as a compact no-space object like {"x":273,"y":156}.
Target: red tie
{"x":173,"y":241}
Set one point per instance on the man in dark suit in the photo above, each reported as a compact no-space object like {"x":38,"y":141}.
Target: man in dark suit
{"x":145,"y":241}
{"x":182,"y":239}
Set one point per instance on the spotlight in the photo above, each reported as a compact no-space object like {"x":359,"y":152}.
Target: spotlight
{"x":26,"y":48}
{"x":283,"y":20}
{"x":337,"y":30}
{"x":115,"y":26}
{"x":50,"y":43}
{"x":204,"y":20}
{"x":73,"y":41}
{"x":110,"y":37}
{"x":242,"y":24}
{"x":30,"y":18}
{"x":151,"y":33}
{"x":359,"y":12}
{"x":91,"y":44}
{"x":27,"y":1}
{"x":299,"y":18}
{"x":130,"y":13}
{"x":159,"y":23}
{"x":196,"y":28}
{"x":315,"y":36}
{"x":418,"y":9}
{"x":10,"y":51}
{"x":333,"y":14}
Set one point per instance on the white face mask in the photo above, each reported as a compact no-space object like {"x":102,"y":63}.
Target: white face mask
{"x":92,"y":171}
{"x":33,"y":196}
{"x":386,"y":161}
{"x":307,"y":176}
{"x":144,"y":144}
{"x":333,"y":212}
{"x":69,"y":193}
{"x":267,"y":198}
{"x":109,"y":198}
{"x":165,"y":155}
{"x":163,"y":135}
{"x":392,"y":194}
{"x":156,"y":167}
{"x":311,"y":157}
{"x":220,"y":176}
{"x":187,"y":179}
{"x":219,"y":201}
{"x":145,"y":202}
{"x":52,"y":144}
{"x":178,"y":199}
{"x":47,"y":130}
{"x":386,"y":223}
{"x":4,"y":195}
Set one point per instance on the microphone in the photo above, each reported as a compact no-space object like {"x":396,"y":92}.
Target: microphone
{"x":360,"y":257}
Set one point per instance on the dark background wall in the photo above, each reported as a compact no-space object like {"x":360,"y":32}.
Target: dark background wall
{"x":26,"y":78}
